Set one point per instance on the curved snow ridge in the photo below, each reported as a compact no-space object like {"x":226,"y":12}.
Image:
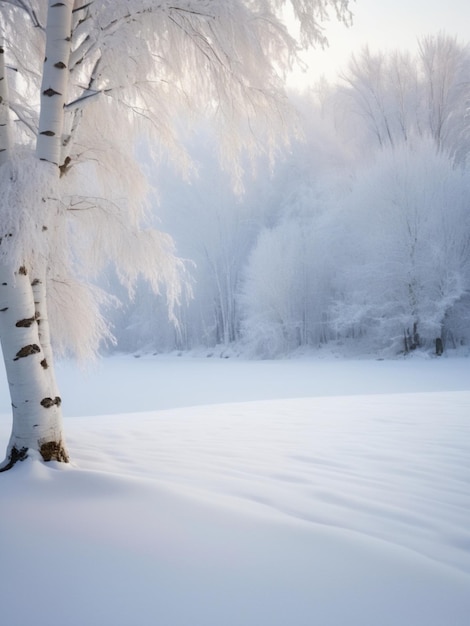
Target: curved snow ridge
{"x":390,"y":467}
{"x":326,"y":511}
{"x":136,"y":548}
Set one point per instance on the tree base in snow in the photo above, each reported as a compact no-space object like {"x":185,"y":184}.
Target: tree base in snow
{"x":49,"y":451}
{"x":14,"y":456}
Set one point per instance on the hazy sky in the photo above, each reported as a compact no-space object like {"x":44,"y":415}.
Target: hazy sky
{"x":387,"y":24}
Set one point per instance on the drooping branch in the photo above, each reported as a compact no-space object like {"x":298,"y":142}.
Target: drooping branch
{"x":15,"y":107}
{"x":87,"y":96}
{"x":76,"y":108}
{"x":82,"y":40}
{"x":78,"y":6}
{"x":83,"y":51}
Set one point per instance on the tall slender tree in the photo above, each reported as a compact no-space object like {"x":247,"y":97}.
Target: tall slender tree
{"x":80,"y":82}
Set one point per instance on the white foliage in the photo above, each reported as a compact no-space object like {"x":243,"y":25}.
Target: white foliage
{"x":77,"y":307}
{"x":135,"y":68}
{"x":388,"y":99}
{"x":335,"y":257}
{"x":28,"y":205}
{"x":273,"y":317}
{"x":167,"y":59}
{"x":407,"y":254}
{"x":215,"y":228}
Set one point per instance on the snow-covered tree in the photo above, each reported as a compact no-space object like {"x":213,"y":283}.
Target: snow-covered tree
{"x":213,"y":227}
{"x":80,"y":80}
{"x":322,"y":227}
{"x":444,"y":66}
{"x":276,"y":291}
{"x":392,"y":98}
{"x":287,"y":283}
{"x":406,"y":250}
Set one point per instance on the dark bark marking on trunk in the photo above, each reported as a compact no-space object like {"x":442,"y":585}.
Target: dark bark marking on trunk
{"x":57,"y":4}
{"x":47,"y":403}
{"x":27,"y":351}
{"x":60,"y":65}
{"x":3,"y":310}
{"x":54,"y":451}
{"x":44,"y":228}
{"x":64,"y":168}
{"x":48,"y":133}
{"x":35,"y":282}
{"x":5,"y":284}
{"x":15,"y":456}
{"x":26,"y":323}
{"x":44,"y":364}
{"x":23,"y":271}
{"x":51,"y":92}
{"x":49,"y":450}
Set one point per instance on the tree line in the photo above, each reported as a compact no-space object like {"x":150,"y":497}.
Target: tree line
{"x":357,"y":237}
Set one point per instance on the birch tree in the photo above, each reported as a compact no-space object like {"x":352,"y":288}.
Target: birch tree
{"x":80,"y":82}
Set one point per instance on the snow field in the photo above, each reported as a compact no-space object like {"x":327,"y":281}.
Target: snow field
{"x":332,"y":510}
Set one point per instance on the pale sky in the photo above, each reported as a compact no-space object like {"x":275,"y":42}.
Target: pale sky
{"x":385,"y":25}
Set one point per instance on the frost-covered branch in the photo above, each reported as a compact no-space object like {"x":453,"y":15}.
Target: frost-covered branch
{"x":79,"y":6}
{"x":83,"y":100}
{"x":28,"y":9}
{"x":22,"y":118}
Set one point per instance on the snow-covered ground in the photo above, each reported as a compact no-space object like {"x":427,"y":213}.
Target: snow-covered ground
{"x":223,"y":492}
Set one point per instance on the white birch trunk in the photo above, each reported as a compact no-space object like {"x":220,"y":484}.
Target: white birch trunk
{"x":54,"y":81}
{"x":37,"y":418}
{"x":4,"y":111}
{"x":24,"y":324}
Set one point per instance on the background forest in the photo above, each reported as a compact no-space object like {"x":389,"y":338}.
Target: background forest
{"x":357,"y":237}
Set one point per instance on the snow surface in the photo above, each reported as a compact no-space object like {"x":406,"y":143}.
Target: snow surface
{"x":221,"y":492}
